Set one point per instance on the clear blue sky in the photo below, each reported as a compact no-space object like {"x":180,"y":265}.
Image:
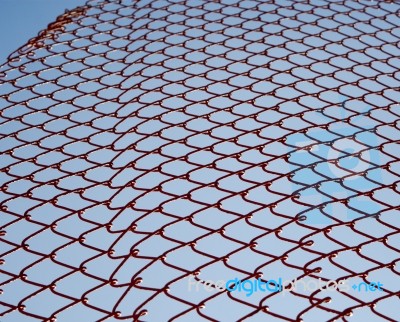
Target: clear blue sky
{"x":21,"y":20}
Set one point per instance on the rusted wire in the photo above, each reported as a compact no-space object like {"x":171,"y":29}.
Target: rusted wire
{"x":145,"y":142}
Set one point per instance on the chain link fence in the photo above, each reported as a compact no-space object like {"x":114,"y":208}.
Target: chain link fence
{"x":150,"y":147}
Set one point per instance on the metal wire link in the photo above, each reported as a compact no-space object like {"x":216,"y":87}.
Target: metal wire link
{"x":148,"y":143}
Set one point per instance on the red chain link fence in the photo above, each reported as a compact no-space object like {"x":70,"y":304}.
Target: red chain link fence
{"x":149,"y":144}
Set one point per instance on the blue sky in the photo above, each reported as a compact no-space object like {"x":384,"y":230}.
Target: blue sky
{"x":21,"y":20}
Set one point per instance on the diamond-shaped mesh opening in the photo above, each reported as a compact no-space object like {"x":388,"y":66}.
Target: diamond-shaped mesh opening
{"x":149,"y":144}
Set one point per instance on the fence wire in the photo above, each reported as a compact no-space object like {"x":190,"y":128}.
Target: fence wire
{"x":147,"y":144}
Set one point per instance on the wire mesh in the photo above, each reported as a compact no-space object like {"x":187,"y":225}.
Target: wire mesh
{"x":148,"y":143}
